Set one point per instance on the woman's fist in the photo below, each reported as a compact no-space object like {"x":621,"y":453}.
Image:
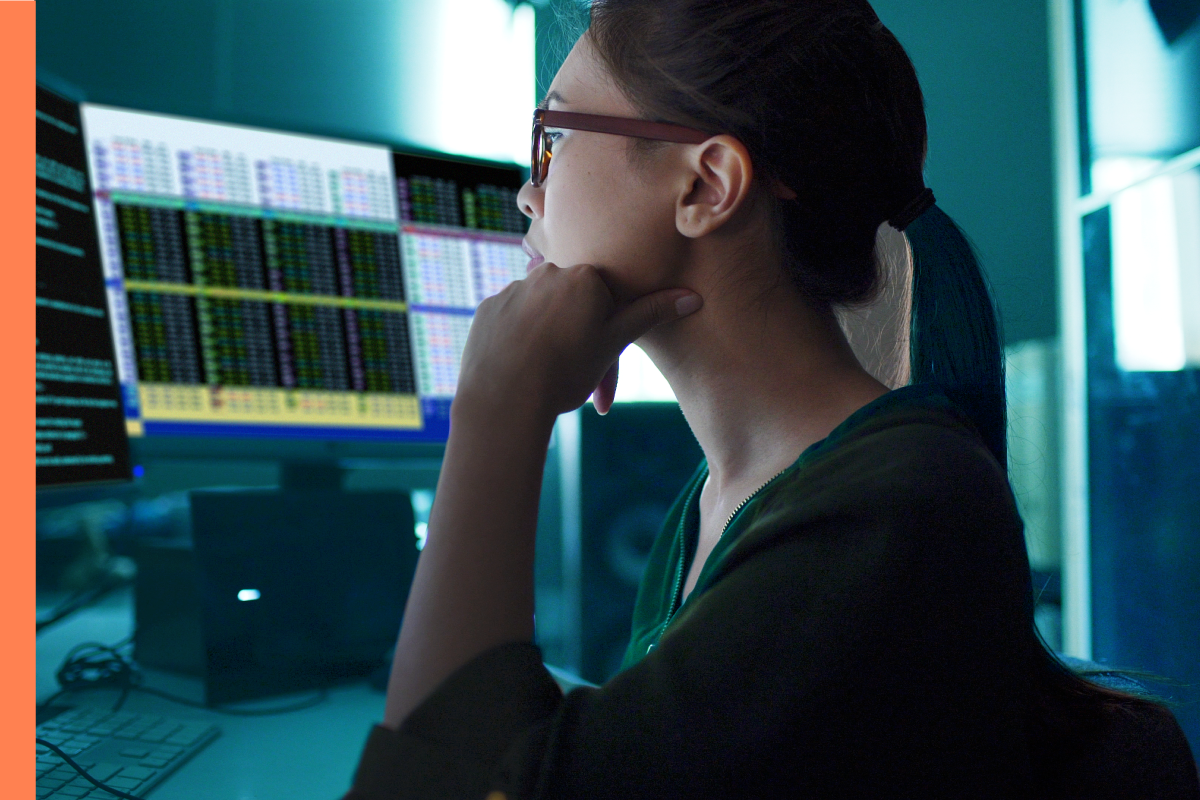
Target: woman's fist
{"x":550,"y":340}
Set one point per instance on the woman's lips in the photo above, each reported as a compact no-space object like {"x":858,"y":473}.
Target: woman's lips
{"x":535,"y":257}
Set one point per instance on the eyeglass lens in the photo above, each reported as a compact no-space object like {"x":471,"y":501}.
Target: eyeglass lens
{"x":541,"y":155}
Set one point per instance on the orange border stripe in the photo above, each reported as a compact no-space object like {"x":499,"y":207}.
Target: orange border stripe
{"x":17,"y":331}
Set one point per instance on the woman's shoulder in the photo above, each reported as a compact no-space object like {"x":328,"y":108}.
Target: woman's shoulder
{"x":911,"y":434}
{"x":916,"y":456}
{"x":909,"y":505}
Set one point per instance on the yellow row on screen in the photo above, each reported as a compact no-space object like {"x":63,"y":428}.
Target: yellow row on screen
{"x":270,"y":406}
{"x":229,"y":293}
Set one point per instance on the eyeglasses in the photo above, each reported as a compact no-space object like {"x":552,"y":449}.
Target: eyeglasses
{"x":539,"y":163}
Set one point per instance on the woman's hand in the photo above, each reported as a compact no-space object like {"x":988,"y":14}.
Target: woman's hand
{"x":546,"y":342}
{"x":535,"y":350}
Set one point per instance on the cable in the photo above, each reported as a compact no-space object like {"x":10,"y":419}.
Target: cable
{"x":86,"y":775}
{"x":93,"y":665}
{"x":86,"y":667}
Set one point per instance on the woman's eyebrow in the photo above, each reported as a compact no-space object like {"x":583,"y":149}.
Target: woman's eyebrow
{"x":552,"y":96}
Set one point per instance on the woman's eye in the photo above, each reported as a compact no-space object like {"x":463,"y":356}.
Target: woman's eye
{"x":553,"y":136}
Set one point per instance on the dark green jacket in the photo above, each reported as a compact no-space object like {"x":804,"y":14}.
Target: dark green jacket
{"x":859,"y":631}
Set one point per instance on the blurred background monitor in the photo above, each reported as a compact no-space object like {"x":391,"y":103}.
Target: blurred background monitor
{"x":80,"y":426}
{"x":288,"y":296}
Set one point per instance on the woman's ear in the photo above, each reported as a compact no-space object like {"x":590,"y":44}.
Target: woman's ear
{"x":719,"y":174}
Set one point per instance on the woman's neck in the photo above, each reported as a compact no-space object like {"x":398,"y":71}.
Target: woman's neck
{"x":760,"y":376}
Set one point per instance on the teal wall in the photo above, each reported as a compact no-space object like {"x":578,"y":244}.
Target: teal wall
{"x":353,"y":68}
{"x":985,"y":71}
{"x":338,"y":68}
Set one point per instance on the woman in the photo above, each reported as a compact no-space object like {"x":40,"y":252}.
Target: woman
{"x":839,"y":603}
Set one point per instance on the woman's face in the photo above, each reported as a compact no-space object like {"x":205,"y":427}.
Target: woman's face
{"x":596,"y":206}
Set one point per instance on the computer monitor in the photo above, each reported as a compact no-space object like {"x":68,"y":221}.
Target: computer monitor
{"x":80,"y":426}
{"x":273,"y":285}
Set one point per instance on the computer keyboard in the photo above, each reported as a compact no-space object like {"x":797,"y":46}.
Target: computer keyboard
{"x":127,"y":751}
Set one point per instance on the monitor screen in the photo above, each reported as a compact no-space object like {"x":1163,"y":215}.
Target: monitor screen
{"x":269,"y":284}
{"x":80,"y":427}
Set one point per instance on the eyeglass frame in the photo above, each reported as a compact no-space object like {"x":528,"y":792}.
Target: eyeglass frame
{"x":540,"y":155}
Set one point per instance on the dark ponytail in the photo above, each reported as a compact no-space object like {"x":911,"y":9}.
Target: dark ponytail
{"x":956,"y":339}
{"x":956,"y":344}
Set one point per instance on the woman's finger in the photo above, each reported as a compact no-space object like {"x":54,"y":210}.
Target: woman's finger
{"x":606,"y":391}
{"x":631,"y":322}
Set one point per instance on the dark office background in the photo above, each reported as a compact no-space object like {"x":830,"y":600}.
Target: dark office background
{"x":336,"y":68}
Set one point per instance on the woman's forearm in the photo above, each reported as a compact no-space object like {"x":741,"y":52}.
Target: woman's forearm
{"x":535,"y":350}
{"x":473,"y":587}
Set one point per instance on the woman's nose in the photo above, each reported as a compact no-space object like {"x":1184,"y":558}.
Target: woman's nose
{"x":529,"y":200}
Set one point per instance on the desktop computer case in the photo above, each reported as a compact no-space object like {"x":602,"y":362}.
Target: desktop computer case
{"x":278,"y":591}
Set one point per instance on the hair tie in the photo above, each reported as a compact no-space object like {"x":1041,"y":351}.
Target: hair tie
{"x":919,"y":205}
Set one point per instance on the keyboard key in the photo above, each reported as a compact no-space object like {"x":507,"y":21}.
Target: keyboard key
{"x":158,"y":734}
{"x":75,"y":790}
{"x":123,"y":783}
{"x":166,"y":754}
{"x":135,"y":752}
{"x":104,"y":770}
{"x":50,"y":773}
{"x":62,"y":773}
{"x":157,"y":763}
{"x":183,"y":739}
{"x":138,"y":773}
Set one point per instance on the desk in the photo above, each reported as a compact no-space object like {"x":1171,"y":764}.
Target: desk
{"x":302,"y":755}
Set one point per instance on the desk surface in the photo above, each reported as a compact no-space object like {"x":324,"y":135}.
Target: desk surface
{"x":294,"y":756}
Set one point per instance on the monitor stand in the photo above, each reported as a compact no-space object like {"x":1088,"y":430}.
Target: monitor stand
{"x":309,"y":476}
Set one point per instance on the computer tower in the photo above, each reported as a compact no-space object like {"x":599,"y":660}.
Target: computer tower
{"x":633,"y":463}
{"x":278,"y":591}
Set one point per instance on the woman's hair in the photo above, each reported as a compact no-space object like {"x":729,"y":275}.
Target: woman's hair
{"x":820,"y":93}
{"x":827,"y":103}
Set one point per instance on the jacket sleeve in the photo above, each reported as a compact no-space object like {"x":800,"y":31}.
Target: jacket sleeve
{"x":851,"y":641}
{"x":449,"y":746}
